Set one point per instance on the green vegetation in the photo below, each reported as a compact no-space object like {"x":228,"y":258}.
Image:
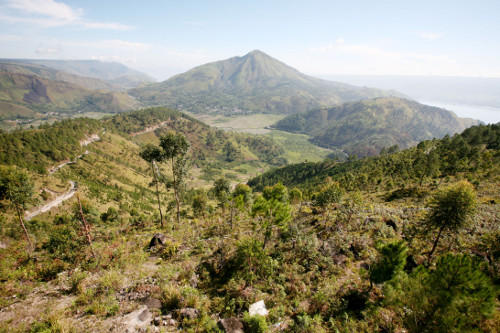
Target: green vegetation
{"x":451,"y":208}
{"x":328,"y":246}
{"x":364,"y":128}
{"x":17,"y":188}
{"x":473,"y":154}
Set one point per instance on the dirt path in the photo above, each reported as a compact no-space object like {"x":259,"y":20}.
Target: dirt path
{"x":56,"y":202}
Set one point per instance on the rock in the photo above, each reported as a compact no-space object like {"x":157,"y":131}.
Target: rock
{"x":157,"y":321}
{"x":153,"y":303}
{"x":258,"y":308}
{"x":145,"y":316}
{"x":189,"y":313}
{"x":231,"y":325}
{"x":3,"y":245}
{"x":158,"y":239}
{"x":137,"y":319}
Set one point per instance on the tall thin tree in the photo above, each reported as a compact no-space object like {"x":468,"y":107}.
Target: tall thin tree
{"x":153,"y":154}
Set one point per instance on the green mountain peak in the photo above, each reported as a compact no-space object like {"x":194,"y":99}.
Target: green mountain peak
{"x":255,"y":82}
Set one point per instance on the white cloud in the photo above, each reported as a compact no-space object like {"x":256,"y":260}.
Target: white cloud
{"x":107,"y":26}
{"x":50,"y":13}
{"x":115,"y":58}
{"x":48,"y":8}
{"x":41,"y":49}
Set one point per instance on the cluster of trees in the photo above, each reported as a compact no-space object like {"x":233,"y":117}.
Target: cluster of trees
{"x":473,"y":153}
{"x":37,"y":149}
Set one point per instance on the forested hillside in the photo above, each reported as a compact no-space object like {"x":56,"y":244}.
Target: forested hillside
{"x":150,"y":227}
{"x":363,"y":128}
{"x":472,"y":154}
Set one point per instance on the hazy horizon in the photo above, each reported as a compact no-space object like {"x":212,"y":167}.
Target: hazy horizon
{"x":163,"y":38}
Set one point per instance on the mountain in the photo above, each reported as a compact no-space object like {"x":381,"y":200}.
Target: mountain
{"x":112,"y":72}
{"x":364,"y":127}
{"x":21,"y":92}
{"x":253,"y":83}
{"x":57,"y":75}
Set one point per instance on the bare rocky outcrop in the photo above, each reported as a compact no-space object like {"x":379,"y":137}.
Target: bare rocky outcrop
{"x":137,"y":319}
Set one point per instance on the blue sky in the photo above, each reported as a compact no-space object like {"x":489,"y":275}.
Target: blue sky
{"x":163,"y":38}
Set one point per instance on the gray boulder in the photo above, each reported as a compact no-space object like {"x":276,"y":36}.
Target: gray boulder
{"x":153,"y":303}
{"x":189,"y":313}
{"x":231,"y":325}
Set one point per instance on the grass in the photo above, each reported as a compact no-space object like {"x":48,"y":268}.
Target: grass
{"x":298,"y":148}
{"x":253,"y":123}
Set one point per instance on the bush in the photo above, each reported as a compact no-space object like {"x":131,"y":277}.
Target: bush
{"x":454,"y":296}
{"x":64,"y":243}
{"x":391,"y":260}
{"x":254,"y":324}
{"x":251,"y":262}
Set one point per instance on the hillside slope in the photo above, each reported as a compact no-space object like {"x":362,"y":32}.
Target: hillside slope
{"x":472,"y":153}
{"x":89,"y":264}
{"x":364,"y":127}
{"x":44,"y":96}
{"x":113,"y":72}
{"x":255,"y":82}
{"x":57,"y":75}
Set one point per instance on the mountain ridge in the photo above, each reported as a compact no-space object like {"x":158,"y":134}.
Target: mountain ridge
{"x":255,"y":82}
{"x":113,"y":72}
{"x":41,"y":96}
{"x":57,"y":75}
{"x":364,"y":127}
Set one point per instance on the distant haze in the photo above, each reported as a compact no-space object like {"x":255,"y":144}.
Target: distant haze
{"x":477,"y":98}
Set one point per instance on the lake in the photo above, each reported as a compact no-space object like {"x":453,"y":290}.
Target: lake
{"x":488,"y":115}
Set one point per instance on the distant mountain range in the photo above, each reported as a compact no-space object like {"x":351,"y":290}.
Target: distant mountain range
{"x":363,"y":128}
{"x":255,"y":82}
{"x":120,"y":76}
{"x":58,"y":75}
{"x":28,"y":96}
{"x":51,"y":89}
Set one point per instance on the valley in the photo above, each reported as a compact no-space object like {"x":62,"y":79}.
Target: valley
{"x":337,"y":208}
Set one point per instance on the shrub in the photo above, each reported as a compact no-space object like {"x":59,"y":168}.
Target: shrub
{"x":391,"y":260}
{"x":254,"y":324}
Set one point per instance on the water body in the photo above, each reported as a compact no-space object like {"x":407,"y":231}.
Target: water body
{"x":488,"y":115}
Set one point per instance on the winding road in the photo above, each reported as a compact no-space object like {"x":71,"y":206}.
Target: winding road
{"x":57,"y":201}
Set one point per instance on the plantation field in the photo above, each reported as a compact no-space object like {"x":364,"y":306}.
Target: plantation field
{"x":253,"y":123}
